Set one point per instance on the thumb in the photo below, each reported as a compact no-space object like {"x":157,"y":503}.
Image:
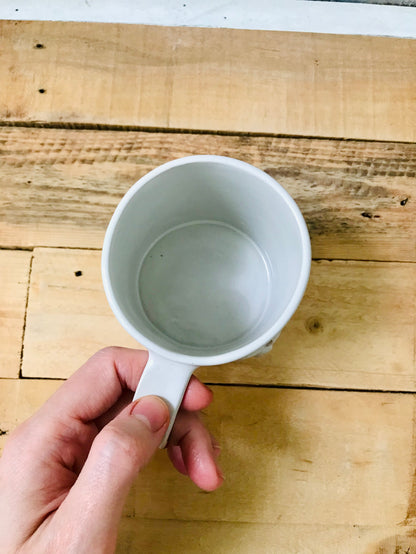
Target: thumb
{"x":121,"y":449}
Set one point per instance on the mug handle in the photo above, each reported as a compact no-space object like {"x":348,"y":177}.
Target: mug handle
{"x":167,"y":379}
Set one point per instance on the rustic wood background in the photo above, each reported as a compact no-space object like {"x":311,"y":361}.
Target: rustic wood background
{"x":318,"y":436}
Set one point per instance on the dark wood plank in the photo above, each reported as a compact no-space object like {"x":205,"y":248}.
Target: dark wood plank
{"x":59,"y":187}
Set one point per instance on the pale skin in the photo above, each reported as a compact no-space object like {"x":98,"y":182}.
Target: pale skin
{"x":65,"y":472}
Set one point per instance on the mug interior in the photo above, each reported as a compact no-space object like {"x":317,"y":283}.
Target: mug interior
{"x":204,"y":285}
{"x":204,"y":257}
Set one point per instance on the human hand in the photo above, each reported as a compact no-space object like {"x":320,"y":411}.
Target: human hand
{"x":65,"y":472}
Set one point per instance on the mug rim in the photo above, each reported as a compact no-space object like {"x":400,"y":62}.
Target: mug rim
{"x":249,"y":348}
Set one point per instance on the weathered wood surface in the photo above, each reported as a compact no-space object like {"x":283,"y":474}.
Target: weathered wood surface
{"x":276,"y":447}
{"x":14,"y":282}
{"x":196,"y":537}
{"x":355,"y":327}
{"x":68,"y":317}
{"x":319,"y":471}
{"x":60,"y":187}
{"x":296,"y":456}
{"x":19,"y":399}
{"x":219,"y":79}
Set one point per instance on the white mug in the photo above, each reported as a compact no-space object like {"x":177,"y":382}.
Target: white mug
{"x":204,"y":261}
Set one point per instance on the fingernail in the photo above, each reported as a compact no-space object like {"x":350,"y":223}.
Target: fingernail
{"x":152,"y":411}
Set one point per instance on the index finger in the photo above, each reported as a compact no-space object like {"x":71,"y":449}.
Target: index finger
{"x":99,"y":383}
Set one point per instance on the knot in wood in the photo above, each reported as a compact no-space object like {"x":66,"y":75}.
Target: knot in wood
{"x":314,"y":325}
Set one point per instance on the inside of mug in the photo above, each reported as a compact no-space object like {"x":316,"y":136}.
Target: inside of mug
{"x":205,"y":257}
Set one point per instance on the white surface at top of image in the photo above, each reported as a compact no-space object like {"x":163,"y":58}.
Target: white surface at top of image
{"x":275,"y":15}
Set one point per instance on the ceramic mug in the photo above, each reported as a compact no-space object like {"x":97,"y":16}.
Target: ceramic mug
{"x":204,"y":261}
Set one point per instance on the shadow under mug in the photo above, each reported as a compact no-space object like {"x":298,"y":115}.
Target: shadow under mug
{"x":204,"y":261}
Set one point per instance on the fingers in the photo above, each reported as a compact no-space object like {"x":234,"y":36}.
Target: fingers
{"x":197,"y":395}
{"x":124,"y":400}
{"x":119,"y":451}
{"x":97,"y":386}
{"x":193,"y":451}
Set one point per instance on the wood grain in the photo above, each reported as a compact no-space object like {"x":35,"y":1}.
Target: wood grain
{"x":60,"y":187}
{"x":68,"y":317}
{"x":333,"y":460}
{"x":14,"y":282}
{"x":197,"y":537}
{"x":19,"y":399}
{"x":355,"y":327}
{"x":295,"y":457}
{"x":218,"y":79}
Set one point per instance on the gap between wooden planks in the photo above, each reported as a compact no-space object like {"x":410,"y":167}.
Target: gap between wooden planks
{"x":61,"y":186}
{"x":216,"y":79}
{"x":355,"y":327}
{"x":302,"y":468}
{"x":14,"y":283}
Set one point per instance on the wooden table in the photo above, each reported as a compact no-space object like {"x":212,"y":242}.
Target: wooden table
{"x":318,"y":436}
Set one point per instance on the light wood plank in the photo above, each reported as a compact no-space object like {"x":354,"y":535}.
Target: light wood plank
{"x":14,"y":283}
{"x":185,"y":537}
{"x":19,"y":399}
{"x":68,"y":316}
{"x":291,"y":457}
{"x":60,"y":187}
{"x":295,"y":457}
{"x":220,"y":79}
{"x":355,"y":327}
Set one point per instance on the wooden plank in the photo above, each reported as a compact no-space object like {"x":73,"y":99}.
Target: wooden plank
{"x":316,"y":458}
{"x":68,"y":316}
{"x":60,"y":187}
{"x":219,"y":79}
{"x":14,"y":283}
{"x":355,"y":327}
{"x":19,"y":399}
{"x":173,"y":536}
{"x":295,"y":457}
